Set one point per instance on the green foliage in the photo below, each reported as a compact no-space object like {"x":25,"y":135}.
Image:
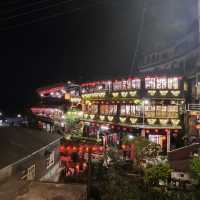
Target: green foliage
{"x":157,"y":172}
{"x":152,"y":150}
{"x":71,"y":117}
{"x":195,"y":167}
{"x":140,"y":143}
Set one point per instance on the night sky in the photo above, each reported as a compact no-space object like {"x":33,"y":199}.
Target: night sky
{"x":91,"y":41}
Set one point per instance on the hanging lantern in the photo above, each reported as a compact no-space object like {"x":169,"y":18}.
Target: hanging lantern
{"x":102,"y":118}
{"x":163,"y":92}
{"x":123,"y":146}
{"x":133,"y":93}
{"x":115,"y":94}
{"x":124,"y":94}
{"x":133,"y":120}
{"x":151,"y":121}
{"x":62,"y":149}
{"x":122,"y":119}
{"x":152,"y":92}
{"x":175,"y":122}
{"x":175,"y":93}
{"x":124,"y":129}
{"x":164,"y":121}
{"x":110,"y":118}
{"x":92,"y":116}
{"x":147,"y":131}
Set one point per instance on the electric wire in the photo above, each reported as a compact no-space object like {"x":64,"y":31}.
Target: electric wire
{"x":139,"y":38}
{"x":77,"y":9}
{"x":35,"y":10}
{"x":27,"y":6}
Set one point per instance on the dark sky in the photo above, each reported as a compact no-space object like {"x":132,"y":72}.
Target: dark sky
{"x":90,"y":42}
{"x":93,"y":43}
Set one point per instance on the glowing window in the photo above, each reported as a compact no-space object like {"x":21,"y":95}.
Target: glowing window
{"x":150,"y":83}
{"x":161,"y":83}
{"x":173,"y":83}
{"x":136,"y":84}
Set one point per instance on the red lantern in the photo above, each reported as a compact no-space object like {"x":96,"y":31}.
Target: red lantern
{"x":123,"y":146}
{"x":124,"y":129}
{"x":74,"y":148}
{"x":94,"y":149}
{"x":62,"y":149}
{"x":77,"y":168}
{"x":68,"y":148}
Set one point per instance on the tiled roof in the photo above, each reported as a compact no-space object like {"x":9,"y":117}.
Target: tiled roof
{"x":17,"y":143}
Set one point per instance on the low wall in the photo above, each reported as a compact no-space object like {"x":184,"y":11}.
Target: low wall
{"x":5,"y":173}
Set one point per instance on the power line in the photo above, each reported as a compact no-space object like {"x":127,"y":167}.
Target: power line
{"x":51,"y":16}
{"x":27,"y":6}
{"x":133,"y":62}
{"x":35,"y":10}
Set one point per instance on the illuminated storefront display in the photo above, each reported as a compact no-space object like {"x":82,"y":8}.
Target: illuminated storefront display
{"x":108,"y":109}
{"x":90,"y":109}
{"x":150,"y":111}
{"x":131,"y":110}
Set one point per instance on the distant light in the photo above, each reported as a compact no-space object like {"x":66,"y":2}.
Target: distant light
{"x":146,"y":102}
{"x":1,"y":114}
{"x":104,"y":128}
{"x":51,"y":93}
{"x":130,"y":137}
{"x":63,"y":91}
{"x":42,"y":95}
{"x":19,"y":116}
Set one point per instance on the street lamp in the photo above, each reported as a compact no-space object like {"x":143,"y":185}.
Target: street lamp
{"x":130,"y":137}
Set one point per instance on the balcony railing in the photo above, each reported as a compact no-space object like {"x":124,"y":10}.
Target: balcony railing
{"x":193,"y":107}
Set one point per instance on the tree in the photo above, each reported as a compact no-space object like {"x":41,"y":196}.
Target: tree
{"x":156,"y":173}
{"x":195,"y":168}
{"x":140,"y":144}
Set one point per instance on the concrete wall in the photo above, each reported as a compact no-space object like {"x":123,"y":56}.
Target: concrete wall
{"x":5,"y":173}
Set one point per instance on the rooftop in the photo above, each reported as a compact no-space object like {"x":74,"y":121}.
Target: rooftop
{"x":17,"y":143}
{"x":23,"y":190}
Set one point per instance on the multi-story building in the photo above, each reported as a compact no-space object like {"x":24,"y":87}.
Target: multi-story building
{"x":182,"y":58}
{"x":55,"y":100}
{"x":147,"y":106}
